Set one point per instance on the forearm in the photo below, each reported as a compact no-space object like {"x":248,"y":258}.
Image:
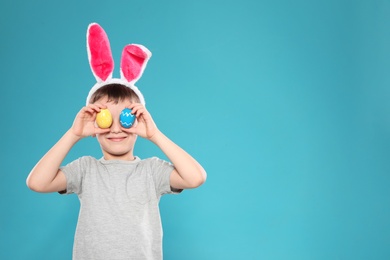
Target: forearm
{"x":190,"y":171}
{"x":45,"y":171}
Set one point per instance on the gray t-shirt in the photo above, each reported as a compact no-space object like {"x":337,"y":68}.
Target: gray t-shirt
{"x":119,"y":215}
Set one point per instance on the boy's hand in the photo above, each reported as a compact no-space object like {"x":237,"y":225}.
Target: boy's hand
{"x":84,"y":123}
{"x":144,"y":126}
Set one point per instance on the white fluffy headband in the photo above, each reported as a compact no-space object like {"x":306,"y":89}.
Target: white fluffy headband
{"x":133,"y":61}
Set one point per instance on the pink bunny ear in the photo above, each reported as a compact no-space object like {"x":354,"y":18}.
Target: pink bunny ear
{"x":133,"y":62}
{"x":99,"y":53}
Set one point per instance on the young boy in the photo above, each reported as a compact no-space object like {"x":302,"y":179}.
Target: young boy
{"x":119,"y":194}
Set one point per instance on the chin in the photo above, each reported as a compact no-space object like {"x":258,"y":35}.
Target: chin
{"x":118,"y":153}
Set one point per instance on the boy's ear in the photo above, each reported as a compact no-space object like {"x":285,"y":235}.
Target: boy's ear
{"x":99,"y":53}
{"x":133,"y":62}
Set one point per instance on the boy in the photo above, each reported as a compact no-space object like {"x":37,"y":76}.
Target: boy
{"x":119,"y":194}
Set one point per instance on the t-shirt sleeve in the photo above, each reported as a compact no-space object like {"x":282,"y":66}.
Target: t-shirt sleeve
{"x":161,"y":172}
{"x":74,"y":176}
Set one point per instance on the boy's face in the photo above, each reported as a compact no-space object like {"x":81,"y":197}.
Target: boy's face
{"x":116,"y":144}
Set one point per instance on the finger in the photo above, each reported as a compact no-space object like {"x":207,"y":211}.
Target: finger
{"x":97,"y":106}
{"x":101,"y":105}
{"x":88,"y":110}
{"x":130,"y":130}
{"x":132,"y":105}
{"x":140,"y":110}
{"x":101,"y":131}
{"x":135,"y":107}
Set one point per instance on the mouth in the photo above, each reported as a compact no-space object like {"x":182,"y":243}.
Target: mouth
{"x":116,"y":139}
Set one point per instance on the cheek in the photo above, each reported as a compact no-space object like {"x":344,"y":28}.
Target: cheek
{"x":99,"y":138}
{"x":132,"y":138}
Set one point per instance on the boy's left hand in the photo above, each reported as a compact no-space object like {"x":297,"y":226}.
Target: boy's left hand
{"x":144,"y":126}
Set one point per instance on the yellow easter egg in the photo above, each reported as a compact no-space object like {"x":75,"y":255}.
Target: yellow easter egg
{"x":104,"y":118}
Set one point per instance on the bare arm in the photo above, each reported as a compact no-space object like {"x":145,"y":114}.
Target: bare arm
{"x":188,"y":173}
{"x":46,"y":175}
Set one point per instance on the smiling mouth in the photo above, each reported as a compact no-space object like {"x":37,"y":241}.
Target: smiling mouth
{"x":116,"y":139}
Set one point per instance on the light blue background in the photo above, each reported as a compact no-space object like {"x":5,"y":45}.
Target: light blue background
{"x":285,"y":103}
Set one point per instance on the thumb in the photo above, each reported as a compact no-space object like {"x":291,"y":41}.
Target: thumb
{"x":99,"y":130}
{"x":131,"y":130}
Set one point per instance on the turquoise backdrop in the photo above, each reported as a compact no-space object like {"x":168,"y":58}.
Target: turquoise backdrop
{"x":285,"y":103}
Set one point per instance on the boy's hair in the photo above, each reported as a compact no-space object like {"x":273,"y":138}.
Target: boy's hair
{"x":115,"y":92}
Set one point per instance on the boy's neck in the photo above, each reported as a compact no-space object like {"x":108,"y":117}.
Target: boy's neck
{"x":126,"y":157}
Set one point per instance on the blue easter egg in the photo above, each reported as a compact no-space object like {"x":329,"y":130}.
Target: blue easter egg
{"x":126,"y":118}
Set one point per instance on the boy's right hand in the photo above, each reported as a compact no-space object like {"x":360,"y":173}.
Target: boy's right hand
{"x":84,"y":123}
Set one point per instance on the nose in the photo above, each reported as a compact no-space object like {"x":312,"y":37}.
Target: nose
{"x":116,"y":127}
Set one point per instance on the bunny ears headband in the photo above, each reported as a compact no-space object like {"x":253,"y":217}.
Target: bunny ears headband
{"x":133,"y":61}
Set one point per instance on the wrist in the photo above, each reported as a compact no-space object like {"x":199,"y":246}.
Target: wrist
{"x":157,"y":137}
{"x":71,"y":136}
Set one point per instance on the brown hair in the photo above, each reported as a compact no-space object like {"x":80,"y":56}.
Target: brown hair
{"x":114,"y":92}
